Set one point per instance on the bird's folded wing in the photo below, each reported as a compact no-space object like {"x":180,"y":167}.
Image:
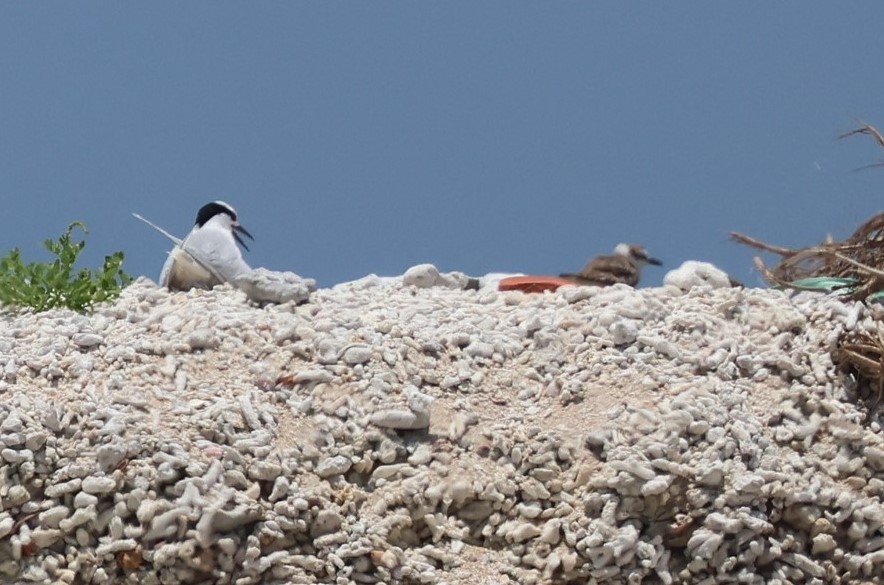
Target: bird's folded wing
{"x":608,"y":270}
{"x":218,"y":253}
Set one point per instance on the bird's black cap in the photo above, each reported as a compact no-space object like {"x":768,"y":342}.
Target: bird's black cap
{"x":210,"y":210}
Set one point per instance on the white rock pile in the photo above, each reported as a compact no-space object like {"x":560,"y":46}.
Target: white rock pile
{"x":392,"y":433}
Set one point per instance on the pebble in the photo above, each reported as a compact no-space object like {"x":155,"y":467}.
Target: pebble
{"x":421,"y":276}
{"x":327,"y":522}
{"x":333,"y":466}
{"x":201,"y":339}
{"x":695,"y":274}
{"x":86,"y":340}
{"x":265,"y":471}
{"x":269,"y":286}
{"x":6,"y":525}
{"x":84,"y":500}
{"x":98,"y":485}
{"x":110,"y":456}
{"x":357,"y":354}
{"x":400,"y":419}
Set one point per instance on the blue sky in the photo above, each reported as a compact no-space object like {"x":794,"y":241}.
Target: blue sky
{"x":358,"y":137}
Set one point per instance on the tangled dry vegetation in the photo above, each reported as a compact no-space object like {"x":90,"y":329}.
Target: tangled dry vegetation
{"x":858,"y":259}
{"x":861,"y":355}
{"x":855,"y":266}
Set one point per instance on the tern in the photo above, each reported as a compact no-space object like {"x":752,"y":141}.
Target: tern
{"x":623,"y":266}
{"x":210,"y":253}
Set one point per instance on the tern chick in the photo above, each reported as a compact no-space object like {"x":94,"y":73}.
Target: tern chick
{"x":623,"y":266}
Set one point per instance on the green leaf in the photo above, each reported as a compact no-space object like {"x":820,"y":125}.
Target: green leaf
{"x":44,"y":285}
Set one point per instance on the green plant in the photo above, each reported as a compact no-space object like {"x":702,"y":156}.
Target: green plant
{"x":46,"y":285}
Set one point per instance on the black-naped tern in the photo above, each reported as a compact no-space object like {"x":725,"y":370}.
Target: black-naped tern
{"x":209,"y":255}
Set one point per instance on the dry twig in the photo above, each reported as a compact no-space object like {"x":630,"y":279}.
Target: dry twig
{"x":868,"y":130}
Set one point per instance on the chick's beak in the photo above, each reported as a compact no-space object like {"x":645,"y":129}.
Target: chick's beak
{"x":655,"y":262}
{"x":237,"y":230}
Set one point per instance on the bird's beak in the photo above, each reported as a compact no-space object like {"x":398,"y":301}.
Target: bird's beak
{"x":655,"y":262}
{"x":237,"y":230}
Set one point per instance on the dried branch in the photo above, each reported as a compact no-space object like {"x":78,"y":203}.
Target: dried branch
{"x":866,"y":129}
{"x":860,"y":265}
{"x":750,"y":241}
